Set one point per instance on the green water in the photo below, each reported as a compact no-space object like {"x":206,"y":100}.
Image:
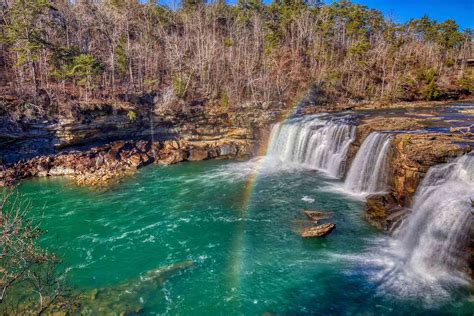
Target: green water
{"x":247,"y":258}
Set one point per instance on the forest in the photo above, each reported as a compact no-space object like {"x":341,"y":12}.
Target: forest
{"x":61,"y":54}
{"x":60,"y":58}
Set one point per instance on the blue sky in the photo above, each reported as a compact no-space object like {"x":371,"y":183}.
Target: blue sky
{"x":462,"y":11}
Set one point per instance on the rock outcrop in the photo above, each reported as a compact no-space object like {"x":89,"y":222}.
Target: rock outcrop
{"x":318,"y":231}
{"x":414,"y":154}
{"x":410,"y":158}
{"x":123,"y":298}
{"x":105,"y":123}
{"x":107,"y":163}
{"x":102,"y":145}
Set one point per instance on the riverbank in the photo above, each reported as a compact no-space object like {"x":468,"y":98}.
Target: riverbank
{"x":303,"y":149}
{"x":424,"y":136}
{"x":240,"y":232}
{"x":106,"y":164}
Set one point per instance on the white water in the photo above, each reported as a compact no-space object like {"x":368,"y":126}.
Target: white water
{"x":368,"y":171}
{"x":427,"y":256}
{"x":312,"y":143}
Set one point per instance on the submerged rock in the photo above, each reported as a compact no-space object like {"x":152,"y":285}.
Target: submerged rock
{"x":317,"y":215}
{"x":124,"y":298}
{"x":318,"y":231}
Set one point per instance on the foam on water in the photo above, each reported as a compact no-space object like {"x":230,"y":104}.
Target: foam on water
{"x":241,"y":253}
{"x":427,"y":257}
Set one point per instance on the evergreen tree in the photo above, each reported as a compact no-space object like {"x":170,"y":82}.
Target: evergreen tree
{"x":25,"y":33}
{"x":192,"y":4}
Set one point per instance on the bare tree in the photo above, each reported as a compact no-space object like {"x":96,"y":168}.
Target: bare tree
{"x":29,"y":281}
{"x":230,"y":54}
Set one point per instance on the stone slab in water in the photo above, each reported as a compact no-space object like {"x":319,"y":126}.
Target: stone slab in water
{"x":316,"y":215}
{"x":318,"y":231}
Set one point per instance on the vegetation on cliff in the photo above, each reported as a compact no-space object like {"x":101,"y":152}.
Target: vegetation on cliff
{"x":57,"y":54}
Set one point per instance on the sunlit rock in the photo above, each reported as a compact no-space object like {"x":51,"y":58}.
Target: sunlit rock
{"x":318,"y":231}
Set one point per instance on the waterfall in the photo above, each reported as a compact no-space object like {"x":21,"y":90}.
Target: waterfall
{"x":312,"y":143}
{"x":429,"y":252}
{"x":433,"y":236}
{"x":368,"y":171}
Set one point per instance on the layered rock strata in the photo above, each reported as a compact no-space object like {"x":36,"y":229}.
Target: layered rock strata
{"x":104,"y":164}
{"x":411,"y":156}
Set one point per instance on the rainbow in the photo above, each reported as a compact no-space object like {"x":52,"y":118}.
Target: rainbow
{"x":237,"y":261}
{"x":265,"y":143}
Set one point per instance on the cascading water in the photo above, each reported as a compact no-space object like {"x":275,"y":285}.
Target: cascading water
{"x":312,"y":143}
{"x":368,"y":172}
{"x":429,"y":253}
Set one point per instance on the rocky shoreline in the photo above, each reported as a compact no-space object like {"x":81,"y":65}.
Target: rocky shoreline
{"x":108,"y":163}
{"x":410,"y":158}
{"x":99,"y":146}
{"x":414,"y":149}
{"x":421,"y":139}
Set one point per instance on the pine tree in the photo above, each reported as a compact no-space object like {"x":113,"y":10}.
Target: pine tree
{"x":25,"y":33}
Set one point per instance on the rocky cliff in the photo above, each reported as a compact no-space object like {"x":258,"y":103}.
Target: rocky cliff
{"x":414,"y":149}
{"x":101,"y":145}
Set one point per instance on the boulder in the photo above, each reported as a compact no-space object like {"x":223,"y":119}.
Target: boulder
{"x":318,"y":231}
{"x":378,"y":207}
{"x":61,"y":171}
{"x":197,"y":154}
{"x":171,"y":157}
{"x":143,"y":145}
{"x":171,"y":145}
{"x":227,"y":149}
{"x":135,"y":160}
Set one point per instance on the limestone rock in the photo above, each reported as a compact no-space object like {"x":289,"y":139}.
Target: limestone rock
{"x":172,"y":157}
{"x":414,"y":154}
{"x":316,"y":215}
{"x":60,"y":171}
{"x":378,"y":208}
{"x":197,"y":154}
{"x":318,"y":231}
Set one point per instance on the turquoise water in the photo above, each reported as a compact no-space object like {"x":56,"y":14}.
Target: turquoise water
{"x":240,"y":235}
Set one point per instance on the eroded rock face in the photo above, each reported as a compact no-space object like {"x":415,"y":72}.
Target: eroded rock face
{"x":198,"y":154}
{"x":106,"y":123}
{"x":379,"y":208}
{"x":410,"y":158}
{"x":108,"y":163}
{"x":414,"y":154}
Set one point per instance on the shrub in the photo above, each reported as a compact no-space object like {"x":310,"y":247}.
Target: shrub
{"x":429,"y":89}
{"x":29,"y":282}
{"x":179,"y":86}
{"x":466,"y":82}
{"x":132,"y":116}
{"x":224,"y":100}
